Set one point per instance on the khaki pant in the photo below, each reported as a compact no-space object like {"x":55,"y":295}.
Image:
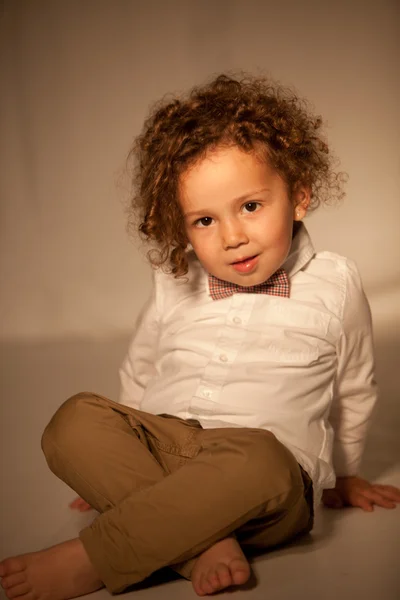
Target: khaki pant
{"x":168,"y":489}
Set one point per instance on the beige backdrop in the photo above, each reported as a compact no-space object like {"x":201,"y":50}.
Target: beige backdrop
{"x":76,"y":82}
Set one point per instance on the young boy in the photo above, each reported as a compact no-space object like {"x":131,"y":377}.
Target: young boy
{"x":248,"y":385}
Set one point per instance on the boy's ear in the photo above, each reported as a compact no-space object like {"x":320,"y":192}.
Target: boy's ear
{"x":301,"y":202}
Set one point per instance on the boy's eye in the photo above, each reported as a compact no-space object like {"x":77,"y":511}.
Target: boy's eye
{"x":203,"y":222}
{"x":251,"y":206}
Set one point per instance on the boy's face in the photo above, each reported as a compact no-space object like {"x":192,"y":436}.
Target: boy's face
{"x":238,"y":215}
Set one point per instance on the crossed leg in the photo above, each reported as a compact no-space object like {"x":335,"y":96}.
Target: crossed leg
{"x":218,"y":559}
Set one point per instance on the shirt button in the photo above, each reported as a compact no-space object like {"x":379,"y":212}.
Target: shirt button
{"x":223,"y":357}
{"x":237,"y":320}
{"x":206,"y":394}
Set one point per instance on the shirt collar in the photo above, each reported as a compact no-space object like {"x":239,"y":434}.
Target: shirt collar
{"x":301,"y":251}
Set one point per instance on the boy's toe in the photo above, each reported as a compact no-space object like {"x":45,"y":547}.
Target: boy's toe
{"x":205,"y":587}
{"x":214,"y":582}
{"x":14,"y":579}
{"x":225,"y":576}
{"x":198,"y":586}
{"x":18,"y":590}
{"x":11,"y":565}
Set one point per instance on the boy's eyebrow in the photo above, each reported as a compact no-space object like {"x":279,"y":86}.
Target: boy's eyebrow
{"x":238,"y":199}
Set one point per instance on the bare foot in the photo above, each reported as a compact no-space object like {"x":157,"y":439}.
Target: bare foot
{"x":58,"y":573}
{"x":219,"y":567}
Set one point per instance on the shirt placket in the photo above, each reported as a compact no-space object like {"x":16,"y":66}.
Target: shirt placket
{"x":207,"y":397}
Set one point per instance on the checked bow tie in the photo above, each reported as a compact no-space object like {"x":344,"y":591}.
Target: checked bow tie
{"x":276,"y":285}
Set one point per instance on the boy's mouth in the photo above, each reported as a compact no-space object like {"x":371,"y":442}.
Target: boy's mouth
{"x":245,"y":265}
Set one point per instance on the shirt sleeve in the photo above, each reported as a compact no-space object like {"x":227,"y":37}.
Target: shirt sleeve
{"x":356,"y":390}
{"x":138,"y":366}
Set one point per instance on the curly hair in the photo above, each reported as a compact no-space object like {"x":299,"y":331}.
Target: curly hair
{"x":250,"y":113}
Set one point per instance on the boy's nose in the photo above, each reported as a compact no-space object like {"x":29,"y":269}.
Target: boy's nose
{"x":233,"y":235}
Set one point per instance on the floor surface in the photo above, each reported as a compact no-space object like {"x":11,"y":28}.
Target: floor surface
{"x":349,"y":555}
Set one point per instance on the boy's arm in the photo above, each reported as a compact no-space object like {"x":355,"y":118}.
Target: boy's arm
{"x":355,"y":397}
{"x":138,"y":366}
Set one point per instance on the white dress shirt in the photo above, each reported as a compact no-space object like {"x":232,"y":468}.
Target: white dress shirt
{"x":301,"y":367}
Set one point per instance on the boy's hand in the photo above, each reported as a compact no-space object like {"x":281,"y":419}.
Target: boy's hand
{"x":80,"y":504}
{"x":354,"y":491}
